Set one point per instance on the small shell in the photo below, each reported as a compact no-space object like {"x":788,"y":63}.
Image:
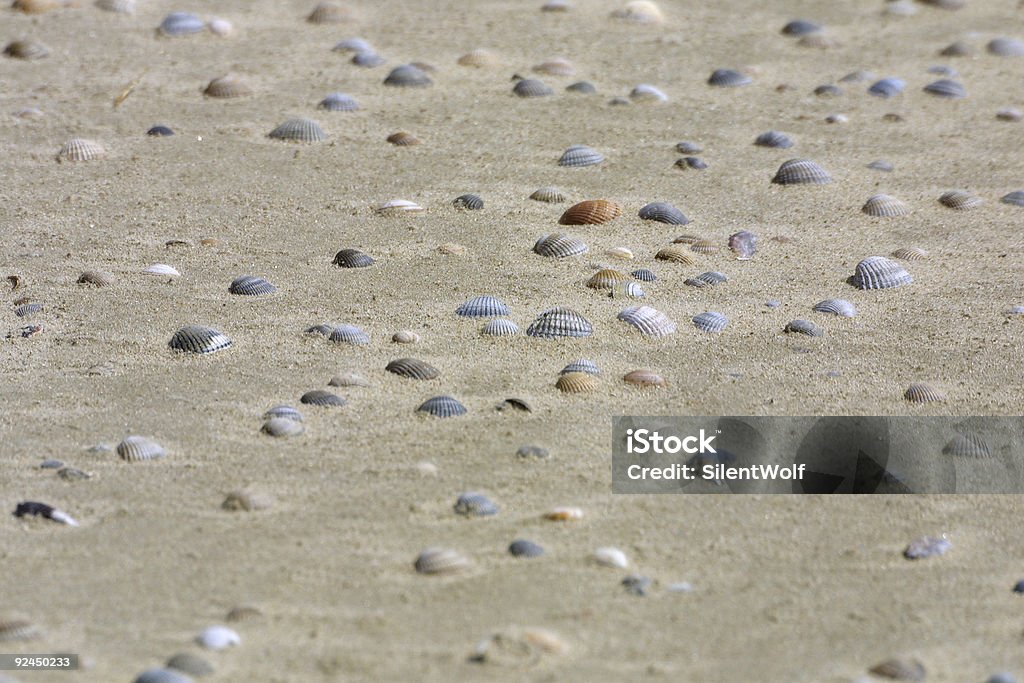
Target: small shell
{"x":576,"y":383}
{"x":298,"y":130}
{"x":349,"y":334}
{"x":649,"y":321}
{"x":137,"y":448}
{"x":471,"y":202}
{"x":910,"y":254}
{"x":283,"y":411}
{"x":1006,"y":47}
{"x":190,"y":664}
{"x":227,"y":87}
{"x":591,"y":212}
{"x":319,"y":397}
{"x":556,"y":6}
{"x":773,"y":138}
{"x":704,"y":247}
{"x":801,"y":171}
{"x":957,"y":49}
{"x":220,"y":27}
{"x":580,"y":155}
{"x":605,"y":279}
{"x":611,"y":557}
{"x":946,"y":88}
{"x":178,"y":24}
{"x":961,"y":200}
{"x":413,"y":368}
{"x":919,"y":392}
{"x":218,"y":638}
{"x":535,"y":452}
{"x":159,"y":131}
{"x":688,"y":147}
{"x":247,"y":501}
{"x":630,"y":290}
{"x":368,"y":59}
{"x":80,"y":149}
{"x":550,"y":195}
{"x":900,"y":670}
{"x":560,"y":322}
{"x":840,"y":307}
{"x":803,"y":327}
{"x":644,"y":275}
{"x":581,"y":88}
{"x":403,"y":139}
{"x":26,"y":49}
{"x":281,"y":426}
{"x":645,"y":378}
{"x":887,"y":87}
{"x":622,"y":253}
{"x":441,"y":561}
{"x":556,"y":67}
{"x":695,"y":163}
{"x":339,"y":101}
{"x":881,"y":165}
{"x":500,"y":327}
{"x":513,"y":403}
{"x":639,"y":12}
{"x":121,"y":6}
{"x":968,"y":445}
{"x":707,"y":279}
{"x":581,"y":365}
{"x":352,"y":258}
{"x":882,"y":205}
{"x":442,"y":406}
{"x":161,"y":270}
{"x":564,"y":514}
{"x":828,"y":90}
{"x":162,"y":676}
{"x":800,"y":27}
{"x":451,"y":249}
{"x":251,"y":285}
{"x":329,"y":13}
{"x":557,"y":245}
{"x":663,"y":212}
{"x":405,"y":337}
{"x":475,"y":505}
{"x":676,"y":253}
{"x":198,"y":339}
{"x":479,"y":58}
{"x":348,"y":379}
{"x":27,"y":309}
{"x":647,"y":93}
{"x":878,"y":272}
{"x":524,"y":548}
{"x":399,"y":207}
{"x":1014,"y":198}
{"x":728,"y":78}
{"x":743,"y":244}
{"x":408,"y":76}
{"x":483,"y":307}
{"x":710,"y":322}
{"x":353,"y":45}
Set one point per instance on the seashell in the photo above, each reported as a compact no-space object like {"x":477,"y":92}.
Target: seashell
{"x":514,"y":404}
{"x":479,"y":59}
{"x":535,"y":452}
{"x":887,"y":87}
{"x":945,"y":88}
{"x":452,"y":249}
{"x":251,"y":285}
{"x":630,"y":290}
{"x":1015,"y":198}
{"x":283,"y":411}
{"x":352,"y":258}
{"x":159,"y":131}
{"x":550,"y":195}
{"x":560,"y":322}
{"x":649,"y":321}
{"x":591,"y":212}
{"x":564,"y":514}
{"x":198,"y":339}
{"x":162,"y":676}
{"x":27,"y":309}
{"x":178,"y":24}
{"x":581,"y":365}
{"x":349,"y":334}
{"x":247,"y":501}
{"x":322,"y":328}
{"x":703,"y":247}
{"x":828,"y":90}
{"x":919,"y":392}
{"x":161,"y":270}
{"x":80,"y":149}
{"x":244,"y":613}
{"x":413,"y":368}
{"x":475,"y":505}
{"x":220,"y":27}
{"x":803,"y":327}
{"x":482,"y":307}
{"x":639,"y":12}
{"x":408,"y":76}
{"x":399,"y":207}
{"x":900,"y":670}
{"x":348,"y":379}
{"x":818,"y":41}
{"x":190,"y":664}
{"x":967,"y":445}
{"x":576,"y":383}
{"x":524,"y":548}
{"x":556,"y":67}
{"x":1009,"y":114}
{"x":800,"y":27}
{"x":227,"y":87}
{"x":961,"y":200}
{"x":557,"y":245}
{"x":556,"y":6}
{"x":353,"y":45}
{"x":298,"y":130}
{"x":611,"y":557}
{"x":957,"y":49}
{"x":218,"y":638}
{"x":471,"y":202}
{"x":499,"y":327}
{"x":945,"y":4}
{"x":840,"y":307}
{"x":623,"y":253}
{"x":942,"y":70}
{"x":910,"y":254}
{"x":368,"y":59}
{"x":728,"y":78}
{"x":73,"y":474}
{"x":405,"y":337}
{"x":647,"y":93}
{"x":645,"y":378}
{"x":605,"y":279}
{"x":137,"y":448}
{"x":121,"y":6}
{"x":695,"y":163}
{"x":441,"y":561}
{"x":580,"y":155}
{"x":581,"y":88}
{"x":281,"y":426}
{"x":532,"y":87}
{"x":663,"y":212}
{"x":38,"y":6}
{"x":676,"y":253}
{"x":329,"y":13}
{"x":319,"y":397}
{"x":710,"y":322}
{"x":881,"y":165}
{"x":893,"y":117}
{"x":403,"y":139}
{"x":743,"y":244}
{"x":801,"y":171}
{"x":442,"y":406}
{"x":26,"y":49}
{"x":857,"y":77}
{"x":878,"y":272}
{"x":773,"y":138}
{"x":705,"y":280}
{"x":882,"y":205}
{"x":1006,"y":47}
{"x":338,"y":101}
{"x":687,"y":147}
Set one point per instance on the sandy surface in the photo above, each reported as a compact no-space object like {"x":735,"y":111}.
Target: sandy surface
{"x":785,"y":588}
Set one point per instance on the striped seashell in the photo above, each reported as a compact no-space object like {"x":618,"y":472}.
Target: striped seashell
{"x":322,"y":329}
{"x":442,"y":406}
{"x":178,"y":24}
{"x":878,"y":272}
{"x":441,"y":561}
{"x":630,"y":290}
{"x":961,"y":200}
{"x":348,"y":379}
{"x":26,"y":49}
{"x":329,"y":13}
{"x":190,"y":664}
{"x":251,"y":285}
{"x":218,"y":638}
{"x":349,"y":334}
{"x":159,"y":131}
{"x":475,"y":505}
{"x":942,"y":70}
{"x":564,"y":514}
{"x":247,"y":500}
{"x":581,"y":365}
{"x":919,"y":392}
{"x":676,"y":253}
{"x":27,"y":309}
{"x":801,"y":172}
{"x":695,"y":163}
{"x":1014,"y":198}
{"x":550,"y":195}
{"x":227,"y":87}
{"x":399,"y":207}
{"x":910,"y":254}
{"x":281,"y":427}
{"x":283,"y":411}
{"x":80,"y":149}
{"x":137,"y":448}
{"x":828,"y":90}
{"x":97,"y":278}
{"x":643,"y":275}
{"x":884,"y":206}
{"x":483,"y":307}
{"x":199,"y":339}
{"x":663,"y":212}
{"x":704,"y":247}
{"x":479,"y":58}
{"x":1009,"y":114}
{"x":591,"y":212}
{"x":557,"y":245}
{"x":532,"y":87}
{"x":500,"y":327}
{"x":773,"y":138}
{"x":579,"y":156}
{"x":353,"y":45}
{"x":605,"y":279}
{"x":524,"y":548}
{"x":887,"y":87}
{"x":710,"y":322}
{"x":622,"y":253}
{"x":243,"y":613}
{"x":405,"y":337}
{"x":957,"y":49}
{"x":556,"y":67}
{"x":728,"y":78}
{"x":639,"y":12}
{"x":298,"y":130}
{"x":647,"y":93}
{"x":803,"y":327}
{"x":581,"y":88}
{"x":967,"y":445}
{"x":576,"y":383}
{"x":649,"y":321}
{"x":946,"y":88}
{"x":705,"y":280}
{"x":470,"y":202}
{"x":560,"y":321}
{"x":338,"y":101}
{"x":893,"y":117}
{"x":800,"y":27}
{"x":352,"y":258}
{"x":403,"y":139}
{"x":161,"y":270}
{"x":881,"y":165}
{"x":413,"y":368}
{"x":1006,"y":47}
{"x":368,"y":59}
{"x":900,"y":669}
{"x":743,"y":244}
{"x":645,"y":378}
{"x":320,"y":397}
{"x":408,"y":76}
{"x":840,"y":307}
{"x":121,"y":6}
{"x":163,"y":676}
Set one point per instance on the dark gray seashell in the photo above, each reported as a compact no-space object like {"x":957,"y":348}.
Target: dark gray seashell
{"x":475,"y":505}
{"x":298,"y":130}
{"x":926,"y":546}
{"x":637,"y":585}
{"x":1006,"y":47}
{"x":828,"y":90}
{"x":319,"y":397}
{"x":473,"y":202}
{"x":198,"y":339}
{"x":710,"y":322}
{"x":251,"y":285}
{"x":728,"y":78}
{"x":887,"y":87}
{"x":945,"y":88}
{"x":51,"y":464}
{"x":442,"y":406}
{"x":879,"y":272}
{"x":352,"y":258}
{"x":581,"y":365}
{"x":413,"y":368}
{"x":137,"y":448}
{"x":181,"y":24}
{"x":884,"y":206}
{"x":620,"y":101}
{"x":159,"y":132}
{"x":408,"y":76}
{"x":500,"y":327}
{"x":190,"y":664}
{"x":961,"y":200}
{"x":27,"y":309}
{"x":743,"y":244}
{"x":580,"y":155}
{"x":532,"y":87}
{"x":483,"y":307}
{"x":349,"y":334}
{"x":560,"y":322}
{"x":967,"y":445}
{"x":881,"y":165}
{"x":919,"y":392}
{"x":800,"y":27}
{"x":663,"y":212}
{"x":804,"y":327}
{"x":549,"y":195}
{"x":162,"y":676}
{"x":900,"y":670}
{"x":322,"y":328}
{"x":708,"y":279}
{"x":524,"y":548}
{"x":558,"y":245}
{"x":96,"y":277}
{"x":338,"y":101}
{"x":688,"y":147}
{"x":283,"y":411}
{"x":840,"y":307}
{"x":1002,"y":677}
{"x":514,"y":404}
{"x":773,"y":138}
{"x":649,"y":321}
{"x":368,"y":60}
{"x":353,"y":45}
{"x":581,"y":87}
{"x":696,"y":163}
{"x":1015,"y":198}
{"x":644,"y":275}
{"x":801,"y":172}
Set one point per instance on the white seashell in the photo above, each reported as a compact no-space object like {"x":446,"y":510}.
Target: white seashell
{"x":611,"y":557}
{"x":218,"y":638}
{"x":161,"y":269}
{"x":399,"y":207}
{"x":220,"y":27}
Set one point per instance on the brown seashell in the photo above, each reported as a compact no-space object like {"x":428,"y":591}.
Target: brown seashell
{"x":622,"y":253}
{"x":329,"y":13}
{"x":348,"y":379}
{"x":479,"y":58}
{"x":606,"y":279}
{"x":17,"y":629}
{"x":405,"y":337}
{"x":556,"y":67}
{"x":403,"y":139}
{"x":37,"y":6}
{"x":961,"y":200}
{"x":591,"y":212}
{"x":227,"y":87}
{"x":26,"y":49}
{"x":900,"y":670}
{"x":676,"y":253}
{"x":564,"y":514}
{"x":15,"y":281}
{"x":576,"y":383}
{"x":244,"y":613}
{"x":645,"y":378}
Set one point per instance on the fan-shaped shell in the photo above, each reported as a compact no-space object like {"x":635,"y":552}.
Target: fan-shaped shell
{"x":840,"y":307}
{"x":483,"y":307}
{"x":649,"y":321}
{"x":581,"y":88}
{"x":581,"y":365}
{"x":968,"y":445}
{"x":339,"y":101}
{"x":352,"y":258}
{"x":919,"y":392}
{"x":663,"y":212}
{"x":961,"y":200}
{"x":644,"y":275}
{"x":479,"y":58}
{"x":403,"y":139}
{"x":743,"y":244}
{"x":227,"y":87}
{"x":910,"y":254}
{"x":576,"y":383}
{"x":645,"y":378}
{"x":647,"y":93}
{"x":801,"y":171}
{"x":354,"y":44}
{"x":704,"y":246}
{"x":707,"y":279}
{"x":442,"y":406}
{"x":320,"y":397}
{"x":329,"y":13}
{"x":80,"y":149}
{"x":676,"y":253}
{"x":1006,"y":47}
{"x":887,"y":87}
{"x":349,"y":334}
{"x":97,"y":278}
{"x":606,"y":279}
{"x":413,"y":368}
{"x":882,"y":205}
{"x":348,"y":379}
{"x":560,"y":321}
{"x":878,"y":272}
{"x":957,"y":49}
{"x":803,"y":327}
{"x":251,"y":285}
{"x":285,"y":412}
{"x":773,"y":138}
{"x":27,"y":309}
{"x":367,"y":59}
{"x":946,"y":88}
{"x":639,"y":12}
{"x":550,"y":195}
{"x":1015,"y":198}
{"x":408,"y":76}
{"x":475,"y":505}
{"x":580,"y":155}
{"x":199,"y":339}
{"x":728,"y":78}
{"x":523,"y":548}
{"x":500,"y":327}
{"x":26,"y":49}
{"x":557,"y":245}
{"x":622,"y":253}
{"x":281,"y":427}
{"x":298,"y":130}
{"x":399,"y":207}
{"x":470,"y":202}
{"x":441,"y":561}
{"x":161,"y":270}
{"x":556,"y":67}
{"x":137,"y":448}
{"x":591,"y":212}
{"x":178,"y":24}
{"x":711,"y":321}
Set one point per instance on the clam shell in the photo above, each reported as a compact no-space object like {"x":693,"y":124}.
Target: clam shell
{"x":1006,"y":47}
{"x":576,"y":383}
{"x":703,"y":247}
{"x":728,"y":78}
{"x":840,"y":307}
{"x":27,"y":309}
{"x":500,"y":327}
{"x":199,"y":339}
{"x":475,"y":505}
{"x":910,"y":254}
{"x":803,"y":327}
{"x":178,"y":24}
{"x":220,"y":27}
{"x":283,"y":411}
{"x":190,"y":664}
{"x":968,"y":445}
{"x":688,"y":147}
{"x":591,"y":212}
{"x":611,"y":557}
{"x":676,"y":253}
{"x":281,"y":426}
{"x":349,"y":334}
{"x":707,"y":279}
{"x":80,"y":149}
{"x":961,"y":200}
{"x":639,"y":12}
{"x":441,"y":561}
{"x":298,"y":130}
{"x":662,"y":212}
{"x":338,"y":101}
{"x":581,"y":365}
{"x":247,"y":501}
{"x":557,"y":245}
{"x":348,"y":379}
{"x":878,"y":272}
{"x":550,"y":195}
{"x":161,"y":270}
{"x":159,"y":131}
{"x":251,"y":285}
{"x":946,"y":88}
{"x":368,"y":59}
{"x":623,"y":253}
{"x":881,"y":165}
{"x":408,"y":76}
{"x":887,"y":87}
{"x":405,"y":337}
{"x":1015,"y":198}
{"x":743,"y":244}
{"x":773,"y":138}
{"x":442,"y":406}
{"x":580,"y":155}
{"x":413,"y":368}
{"x":532,"y":87}
{"x":403,"y":139}
{"x":524,"y":548}
{"x":564,"y":514}
{"x":471,"y":202}
{"x":882,"y":205}
{"x":451,"y":249}
{"x":605,"y":279}
{"x":581,"y":88}
{"x":560,"y":322}
{"x":801,"y":171}
{"x":711,"y":321}
{"x":319,"y":397}
{"x":800,"y":27}
{"x":26,"y":49}
{"x":218,"y":638}
{"x":649,"y":321}
{"x":162,"y":676}
{"x":479,"y":58}
{"x":137,"y":448}
{"x":647,"y":93}
{"x":244,"y":613}
{"x":227,"y":87}
{"x":644,"y":275}
{"x":12,"y":629}
{"x":919,"y":392}
{"x":329,"y":13}
{"x":556,"y":67}
{"x":96,"y":278}
{"x":645,"y":378}
{"x":483,"y":307}
{"x":399,"y":207}
{"x":900,"y":670}
{"x":354,"y":44}
{"x":352,"y":258}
